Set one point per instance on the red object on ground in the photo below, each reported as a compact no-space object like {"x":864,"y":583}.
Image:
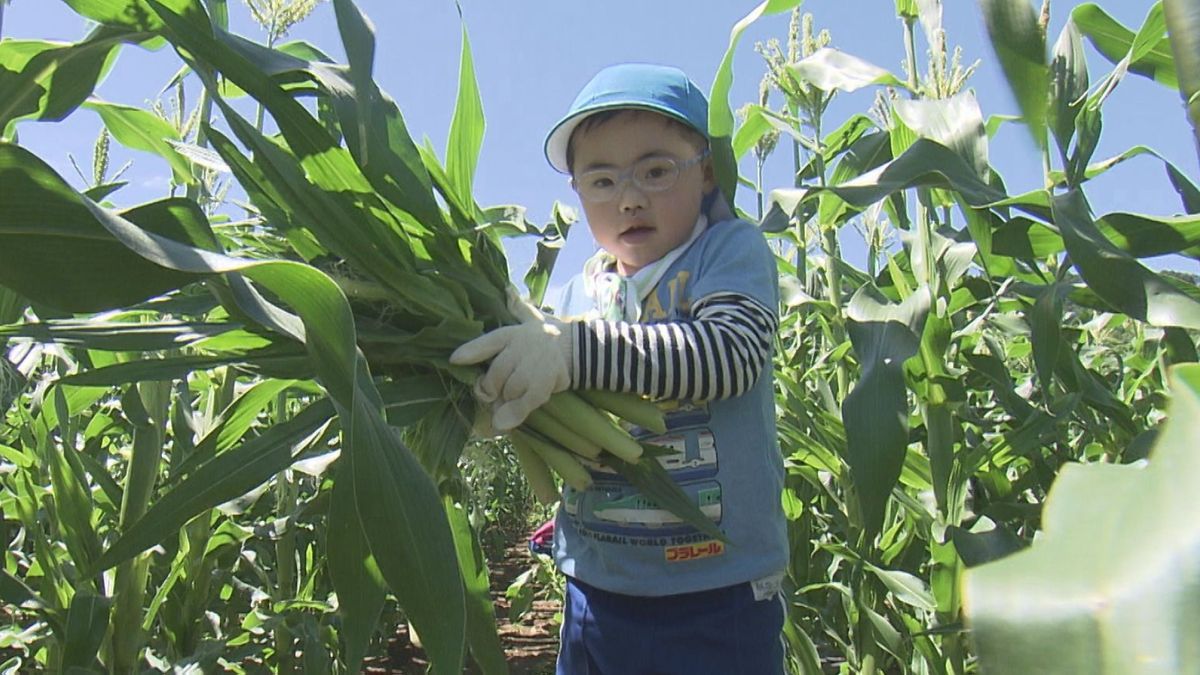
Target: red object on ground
{"x":542,"y":539}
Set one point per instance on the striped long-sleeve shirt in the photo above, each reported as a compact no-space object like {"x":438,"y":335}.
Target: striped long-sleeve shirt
{"x":717,"y":354}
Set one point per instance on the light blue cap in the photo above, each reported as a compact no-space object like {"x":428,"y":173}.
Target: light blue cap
{"x":661,"y":89}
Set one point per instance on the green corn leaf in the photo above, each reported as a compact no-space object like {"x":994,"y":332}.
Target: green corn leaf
{"x":538,"y":277}
{"x":1098,"y":168}
{"x":984,"y":542}
{"x":720,"y":114}
{"x":1115,"y":42}
{"x":983,"y":225}
{"x":864,"y":154}
{"x":439,"y":437}
{"x":1115,"y":275}
{"x":47,"y":80}
{"x":360,"y":587}
{"x":1045,"y":323}
{"x":297,"y":63}
{"x":1143,"y":236}
{"x":875,"y":412}
{"x":71,"y":496}
{"x":482,"y":637}
{"x":857,"y":136}
{"x":270,"y":200}
{"x":955,"y":122}
{"x":466,"y":127}
{"x":1179,"y":346}
{"x":110,"y":495}
{"x":396,"y":525}
{"x":1188,"y":193}
{"x":904,"y":587}
{"x":286,"y":359}
{"x":368,"y":120}
{"x":925,"y":162}
{"x":98,"y":193}
{"x":143,"y":130}
{"x":43,"y":225}
{"x":1183,"y":21}
{"x":553,"y":238}
{"x":116,"y":335}
{"x":829,"y":69}
{"x":14,"y":591}
{"x":217,"y":481}
{"x":408,"y":400}
{"x":1068,"y":85}
{"x":1150,"y":35}
{"x":1093,"y":389}
{"x":994,"y":122}
{"x":1107,"y":587}
{"x":368,"y":117}
{"x":460,"y":211}
{"x":358,"y":37}
{"x":755,"y":125}
{"x":78,"y":399}
{"x":1139,"y":235}
{"x":87,"y":623}
{"x":1001,"y":381}
{"x":1020,"y":46}
{"x":779,"y":122}
{"x":233,"y":422}
{"x":134,"y":14}
{"x":330,"y":214}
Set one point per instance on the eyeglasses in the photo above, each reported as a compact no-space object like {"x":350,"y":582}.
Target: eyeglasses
{"x":650,"y":174}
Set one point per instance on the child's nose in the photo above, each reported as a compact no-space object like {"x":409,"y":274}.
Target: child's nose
{"x":631,"y":197}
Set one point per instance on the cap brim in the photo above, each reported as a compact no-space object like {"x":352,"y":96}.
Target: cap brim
{"x":560,"y":136}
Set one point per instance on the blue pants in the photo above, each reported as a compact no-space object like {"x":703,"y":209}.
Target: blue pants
{"x":724,"y":631}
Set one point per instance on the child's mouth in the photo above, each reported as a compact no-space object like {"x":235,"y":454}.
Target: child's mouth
{"x":636,"y":234}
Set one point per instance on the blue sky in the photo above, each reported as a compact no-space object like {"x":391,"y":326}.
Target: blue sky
{"x":532,"y":56}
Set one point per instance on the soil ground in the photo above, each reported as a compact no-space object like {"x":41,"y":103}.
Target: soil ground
{"x":530,"y":645}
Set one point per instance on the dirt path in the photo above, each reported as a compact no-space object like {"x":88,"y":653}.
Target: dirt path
{"x":531,"y":645}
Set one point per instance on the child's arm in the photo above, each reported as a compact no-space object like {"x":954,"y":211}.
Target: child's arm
{"x":717,"y":354}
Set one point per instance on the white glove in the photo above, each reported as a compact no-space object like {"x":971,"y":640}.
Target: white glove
{"x":530,"y":361}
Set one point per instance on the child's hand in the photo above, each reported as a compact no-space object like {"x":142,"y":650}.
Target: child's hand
{"x":530,"y":361}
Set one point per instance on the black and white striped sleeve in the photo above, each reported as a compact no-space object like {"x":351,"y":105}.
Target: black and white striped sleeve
{"x":718,"y":353}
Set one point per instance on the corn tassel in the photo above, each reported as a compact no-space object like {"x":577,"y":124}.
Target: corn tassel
{"x":570,"y":409}
{"x":537,"y":473}
{"x":562,"y":462}
{"x":550,"y":427}
{"x":629,"y":407}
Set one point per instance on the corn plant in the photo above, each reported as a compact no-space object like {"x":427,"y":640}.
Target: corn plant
{"x":927,"y":405}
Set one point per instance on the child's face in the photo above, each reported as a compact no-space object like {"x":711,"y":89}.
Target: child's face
{"x":639,"y":227}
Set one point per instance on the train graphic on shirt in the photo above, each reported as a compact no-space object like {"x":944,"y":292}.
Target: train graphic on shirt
{"x":638,"y":510}
{"x":688,"y":449}
{"x":688,"y":453}
{"x":623,"y":511}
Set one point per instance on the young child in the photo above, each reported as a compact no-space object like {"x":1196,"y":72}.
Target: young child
{"x":680,"y":306}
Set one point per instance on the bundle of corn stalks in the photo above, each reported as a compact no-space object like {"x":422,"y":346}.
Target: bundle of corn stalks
{"x":400,"y":232}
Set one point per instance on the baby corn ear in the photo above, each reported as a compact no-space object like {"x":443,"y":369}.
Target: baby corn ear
{"x":589,"y":422}
{"x":550,"y":427}
{"x":629,"y":407}
{"x":536,"y":472}
{"x":562,"y":462}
